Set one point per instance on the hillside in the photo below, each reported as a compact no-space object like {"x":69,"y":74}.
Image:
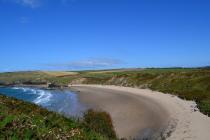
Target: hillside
{"x":22,"y":120}
{"x":190,"y":84}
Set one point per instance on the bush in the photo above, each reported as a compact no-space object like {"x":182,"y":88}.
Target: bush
{"x":100,"y":122}
{"x":204,"y":106}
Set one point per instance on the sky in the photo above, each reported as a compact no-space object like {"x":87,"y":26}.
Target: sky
{"x":103,"y":34}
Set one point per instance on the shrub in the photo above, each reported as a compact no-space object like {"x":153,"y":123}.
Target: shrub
{"x":204,"y":106}
{"x":100,"y":122}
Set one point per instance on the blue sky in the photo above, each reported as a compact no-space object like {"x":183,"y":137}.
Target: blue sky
{"x":100,"y":34}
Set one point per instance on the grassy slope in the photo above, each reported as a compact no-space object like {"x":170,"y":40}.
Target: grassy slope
{"x":36,"y":77}
{"x":190,"y":84}
{"x":21,"y":120}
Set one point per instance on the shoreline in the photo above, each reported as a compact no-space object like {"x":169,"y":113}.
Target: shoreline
{"x":186,"y":122}
{"x":190,"y":123}
{"x":45,"y":87}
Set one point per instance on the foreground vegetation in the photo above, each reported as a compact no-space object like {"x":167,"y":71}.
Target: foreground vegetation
{"x":21,"y":120}
{"x":190,"y":84}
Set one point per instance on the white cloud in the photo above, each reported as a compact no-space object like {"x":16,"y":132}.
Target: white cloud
{"x":96,"y":63}
{"x":36,"y":3}
{"x":30,"y":3}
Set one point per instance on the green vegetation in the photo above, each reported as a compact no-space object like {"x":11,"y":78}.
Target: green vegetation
{"x":187,"y":83}
{"x":36,"y":77}
{"x":100,"y":122}
{"x":21,"y":120}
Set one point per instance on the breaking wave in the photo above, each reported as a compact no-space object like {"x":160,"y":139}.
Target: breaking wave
{"x":43,"y":97}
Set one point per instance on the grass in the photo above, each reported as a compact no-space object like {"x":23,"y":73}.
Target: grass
{"x":60,"y":73}
{"x":36,"y":77}
{"x":187,"y":83}
{"x":100,"y":122}
{"x":22,"y":120}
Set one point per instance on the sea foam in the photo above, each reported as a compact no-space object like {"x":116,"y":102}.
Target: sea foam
{"x":43,"y":97}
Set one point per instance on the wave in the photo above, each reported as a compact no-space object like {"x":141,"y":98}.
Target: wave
{"x":43,"y":96}
{"x":25,"y":89}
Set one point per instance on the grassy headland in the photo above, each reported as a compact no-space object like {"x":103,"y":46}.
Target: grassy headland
{"x":22,"y":120}
{"x":190,"y":84}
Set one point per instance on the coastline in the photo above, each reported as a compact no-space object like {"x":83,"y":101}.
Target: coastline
{"x":44,"y":86}
{"x":185,"y":120}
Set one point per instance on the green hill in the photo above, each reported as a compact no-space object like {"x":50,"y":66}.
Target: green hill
{"x":22,"y":120}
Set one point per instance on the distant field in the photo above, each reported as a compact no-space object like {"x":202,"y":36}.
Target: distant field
{"x":59,"y":73}
{"x":190,"y":83}
{"x":111,"y":71}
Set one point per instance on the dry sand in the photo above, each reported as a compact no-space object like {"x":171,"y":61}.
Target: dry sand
{"x":142,"y":112}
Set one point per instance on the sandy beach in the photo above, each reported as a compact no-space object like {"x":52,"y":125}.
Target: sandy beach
{"x":142,"y":113}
